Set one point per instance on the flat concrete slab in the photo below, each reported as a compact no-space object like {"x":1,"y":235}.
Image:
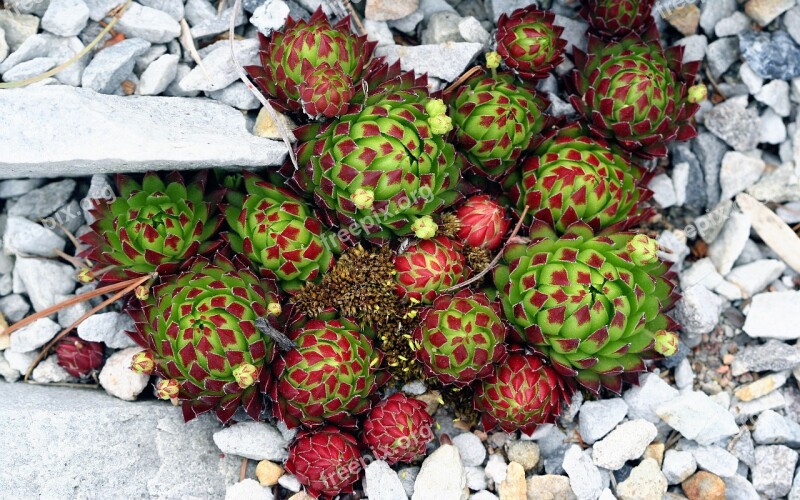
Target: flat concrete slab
{"x":60,"y":442}
{"x":57,"y":130}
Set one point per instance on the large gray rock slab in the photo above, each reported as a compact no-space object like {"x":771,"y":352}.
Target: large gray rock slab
{"x":75,"y":443}
{"x":55,"y":131}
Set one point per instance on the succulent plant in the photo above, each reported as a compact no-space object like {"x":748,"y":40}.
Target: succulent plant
{"x":521,"y":394}
{"x":636,"y":93}
{"x":278,"y":232}
{"x":79,"y":357}
{"x":382,"y":167}
{"x":398,"y":429}
{"x":151,"y":227}
{"x":573,"y":176}
{"x":199,"y":333}
{"x":482,"y":222}
{"x":617,"y":18}
{"x":326,"y":461}
{"x":312,"y":65}
{"x":497,"y":118}
{"x":427,"y":267}
{"x":331,"y":377}
{"x":460,"y":337}
{"x":592,"y":304}
{"x":529,"y":43}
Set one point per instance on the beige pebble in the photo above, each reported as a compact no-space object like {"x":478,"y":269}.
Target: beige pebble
{"x":656,"y":452}
{"x":513,"y":486}
{"x":268,"y":473}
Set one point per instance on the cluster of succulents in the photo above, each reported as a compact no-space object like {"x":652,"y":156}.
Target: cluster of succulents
{"x":390,"y":252}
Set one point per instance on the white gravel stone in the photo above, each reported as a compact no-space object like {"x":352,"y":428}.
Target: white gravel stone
{"x":775,"y":94}
{"x":732,"y":121}
{"x":85,"y":132}
{"x":476,"y":478}
{"x":378,"y":31}
{"x":445,"y":61}
{"x":109,"y":328}
{"x":28,"y":69}
{"x":754,"y":277}
{"x":721,"y":54}
{"x":158,"y":75}
{"x":270,"y":15}
{"x":34,"y":336}
{"x":219,"y":65}
{"x":773,"y":428}
{"x":738,"y":172}
{"x":694,"y":47}
{"x":471,"y":448}
{"x":14,"y":307}
{"x":663,"y":190}
{"x":382,"y":483}
{"x":730,"y":243}
{"x":3,"y":45}
{"x":290,"y":482}
{"x":236,"y":95}
{"x":753,"y":81}
{"x":112,"y":65}
{"x":118,"y":379}
{"x":773,"y":130}
{"x":698,"y":311}
{"x":483,"y":495}
{"x":773,"y":471}
{"x":496,"y":468}
{"x":442,"y":476}
{"x":584,"y":476}
{"x":598,"y":418}
{"x":472,"y":30}
{"x":20,"y":361}
{"x":678,"y":466}
{"x":25,"y":237}
{"x":732,"y":25}
{"x":645,"y":482}
{"x":408,"y":475}
{"x":9,"y":374}
{"x":762,"y":386}
{"x":248,"y":489}
{"x":49,"y":371}
{"x":768,"y":316}
{"x":698,"y":417}
{"x":44,"y":280}
{"x":739,"y":488}
{"x":17,"y":27}
{"x":627,"y":442}
{"x":65,"y":17}
{"x":218,"y":24}
{"x":172,"y":7}
{"x":651,"y":393}
{"x":253,"y":440}
{"x":684,"y":375}
{"x":742,"y":411}
{"x":715,"y":460}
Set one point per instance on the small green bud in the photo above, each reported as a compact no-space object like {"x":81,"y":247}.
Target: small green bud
{"x":666,"y":343}
{"x":424,"y":227}
{"x":642,"y":249}
{"x":492,"y":60}
{"x":440,"y":124}
{"x":435,"y":107}
{"x":697,"y":93}
{"x":274,"y":308}
{"x":85,"y":275}
{"x":245,"y":375}
{"x":363,"y":198}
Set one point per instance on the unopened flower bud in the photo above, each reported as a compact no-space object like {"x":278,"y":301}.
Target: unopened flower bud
{"x":666,"y":343}
{"x":492,"y":60}
{"x":363,"y":198}
{"x":642,"y":249}
{"x":424,"y":227}
{"x":440,"y":124}
{"x":167,"y":388}
{"x":697,"y":93}
{"x":143,"y":362}
{"x":274,"y":308}
{"x":435,"y":107}
{"x":245,"y":375}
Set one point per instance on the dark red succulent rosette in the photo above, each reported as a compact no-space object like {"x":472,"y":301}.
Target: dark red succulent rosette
{"x":618,"y":18}
{"x":483,"y":222}
{"x":529,"y":43}
{"x":326,"y":461}
{"x":635,"y":93}
{"x":398,"y":429}
{"x":79,"y":357}
{"x":521,"y":394}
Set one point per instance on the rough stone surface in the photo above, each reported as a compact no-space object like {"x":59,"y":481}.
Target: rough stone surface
{"x":549,"y":487}
{"x":112,"y":65}
{"x":254,"y":440}
{"x":86,"y":133}
{"x":696,"y":416}
{"x":42,"y":202}
{"x":645,"y":482}
{"x":471,"y":449}
{"x":598,"y":418}
{"x":17,"y":27}
{"x":387,"y":10}
{"x":158,"y":75}
{"x":765,"y":11}
{"x":118,"y":379}
{"x":65,"y":17}
{"x":248,"y":489}
{"x":442,"y":475}
{"x":704,"y":486}
{"x":739,"y":172}
{"x":678,"y":466}
{"x":45,"y":280}
{"x":651,"y":393}
{"x":147,"y":23}
{"x":34,"y":468}
{"x":627,"y":442}
{"x":446,"y":61}
{"x":728,"y":246}
{"x":772,"y":355}
{"x":35,"y":335}
{"x":219,"y":68}
{"x":772,"y":56}
{"x":733,"y":122}
{"x":752,"y":278}
{"x":584,"y":476}
{"x":773,"y":470}
{"x":525,"y":453}
{"x":382,"y":483}
{"x":109,"y":328}
{"x":715,"y":460}
{"x":25,"y":237}
{"x":768,"y":318}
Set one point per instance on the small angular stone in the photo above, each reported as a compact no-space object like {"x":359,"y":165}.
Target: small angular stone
{"x":696,"y":416}
{"x":627,"y":442}
{"x":774,"y":469}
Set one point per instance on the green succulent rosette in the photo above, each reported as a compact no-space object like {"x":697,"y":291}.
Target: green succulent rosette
{"x":592,"y":304}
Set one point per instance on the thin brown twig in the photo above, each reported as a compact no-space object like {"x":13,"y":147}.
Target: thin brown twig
{"x":354,"y":15}
{"x":78,"y":263}
{"x":65,"y":384}
{"x":78,"y":321}
{"x":494,"y":261}
{"x":187,"y":40}
{"x":71,"y":301}
{"x":461,"y":79}
{"x":243,"y":470}
{"x":714,"y":84}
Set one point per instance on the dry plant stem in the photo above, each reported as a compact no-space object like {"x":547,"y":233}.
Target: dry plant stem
{"x":463,"y":78}
{"x":188,"y":43}
{"x":494,"y":261}
{"x":72,"y":301}
{"x":714,"y":84}
{"x":264,"y":102}
{"x":65,"y":384}
{"x":354,"y":16}
{"x":65,"y":331}
{"x":243,"y":470}
{"x":78,"y":263}
{"x":221,"y":6}
{"x":117,"y":14}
